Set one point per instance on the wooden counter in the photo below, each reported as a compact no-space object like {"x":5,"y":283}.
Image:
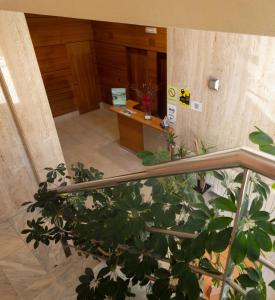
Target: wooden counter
{"x":131,"y":127}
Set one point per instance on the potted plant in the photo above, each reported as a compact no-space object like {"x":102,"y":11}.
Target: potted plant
{"x":129,"y":233}
{"x":182,"y":151}
{"x":171,"y":143}
{"x":146,"y":93}
{"x":201,"y":149}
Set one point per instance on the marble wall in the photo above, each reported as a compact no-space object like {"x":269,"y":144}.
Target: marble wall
{"x":245,"y":66}
{"x":29,"y":141}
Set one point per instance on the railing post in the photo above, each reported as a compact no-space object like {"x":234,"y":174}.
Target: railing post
{"x":242,"y":208}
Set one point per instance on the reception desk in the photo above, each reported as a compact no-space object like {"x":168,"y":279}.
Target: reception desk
{"x":131,"y":126}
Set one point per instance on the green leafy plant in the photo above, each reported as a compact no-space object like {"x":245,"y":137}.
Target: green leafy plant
{"x":171,"y":143}
{"x":201,"y":149}
{"x":150,"y":158}
{"x":133,"y":233}
{"x":182,"y":151}
{"x":263,"y":140}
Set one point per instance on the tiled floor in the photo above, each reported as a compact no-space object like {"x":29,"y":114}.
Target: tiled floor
{"x":45,"y":273}
{"x":93,"y":138}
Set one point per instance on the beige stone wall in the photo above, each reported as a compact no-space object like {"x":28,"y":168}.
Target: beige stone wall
{"x":29,"y":141}
{"x":250,"y":16}
{"x":245,"y":65}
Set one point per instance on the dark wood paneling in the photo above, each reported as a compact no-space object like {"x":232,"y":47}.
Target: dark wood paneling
{"x":106,"y":95}
{"x":81,"y":59}
{"x":137,"y":61}
{"x":130,"y":133}
{"x":152,"y":77}
{"x":137,"y":71}
{"x":47,"y":31}
{"x":58,"y":80}
{"x":85,"y":75}
{"x":112,"y":68}
{"x":66,"y":58}
{"x":162,"y":83}
{"x":130,"y":35}
{"x":59,"y":88}
{"x":112,"y":76}
{"x":59,"y":102}
{"x":143,"y":69}
{"x":52,"y":58}
{"x":113,"y":56}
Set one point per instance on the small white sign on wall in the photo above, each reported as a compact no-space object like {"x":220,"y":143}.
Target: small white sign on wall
{"x":171,"y":113}
{"x":172,"y":94}
{"x":196,"y":105}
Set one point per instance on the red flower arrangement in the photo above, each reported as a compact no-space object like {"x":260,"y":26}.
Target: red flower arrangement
{"x":146,"y":93}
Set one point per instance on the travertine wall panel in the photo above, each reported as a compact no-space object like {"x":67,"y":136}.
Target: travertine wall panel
{"x":29,"y":141}
{"x":245,"y":65}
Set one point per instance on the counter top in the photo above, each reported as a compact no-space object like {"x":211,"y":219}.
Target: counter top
{"x":138,"y":116}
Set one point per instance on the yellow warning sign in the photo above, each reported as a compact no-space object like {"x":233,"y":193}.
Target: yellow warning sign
{"x":184,"y":97}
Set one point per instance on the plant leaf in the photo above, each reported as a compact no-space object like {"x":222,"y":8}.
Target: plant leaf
{"x":192,"y":285}
{"x":260,"y":216}
{"x":218,"y":242}
{"x":239,"y":178}
{"x":239,"y":248}
{"x":270,"y":149}
{"x":272,"y":284}
{"x":253,"y":295}
{"x":224,"y":204}
{"x":246,"y":281}
{"x":263,"y":240}
{"x":253,"y":249}
{"x":162,"y":273}
{"x":253,"y":274}
{"x":260,"y":138}
{"x":256,"y":205}
{"x":219,"y":175}
{"x":219,"y":223}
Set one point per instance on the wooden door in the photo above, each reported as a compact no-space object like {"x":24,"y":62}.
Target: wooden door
{"x":162,"y":83}
{"x":82,"y":62}
{"x":137,"y":70}
{"x":142,"y":69}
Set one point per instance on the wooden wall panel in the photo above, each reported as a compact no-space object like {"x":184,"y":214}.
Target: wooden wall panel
{"x":60,"y":91}
{"x":112,"y":76}
{"x":58,"y":100}
{"x":61,"y":45}
{"x":111,"y":55}
{"x":143,"y":68}
{"x":66,"y":57}
{"x":162,"y":82}
{"x":137,"y":60}
{"x":85,"y":75}
{"x":130,"y":35}
{"x":245,"y":65}
{"x":58,"y":80}
{"x":128,"y":47}
{"x":52,"y":58}
{"x":46,"y":30}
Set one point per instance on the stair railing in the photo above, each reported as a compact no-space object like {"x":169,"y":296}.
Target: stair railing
{"x":246,"y":158}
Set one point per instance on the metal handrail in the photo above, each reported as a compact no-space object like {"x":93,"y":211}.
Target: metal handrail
{"x":245,"y":157}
